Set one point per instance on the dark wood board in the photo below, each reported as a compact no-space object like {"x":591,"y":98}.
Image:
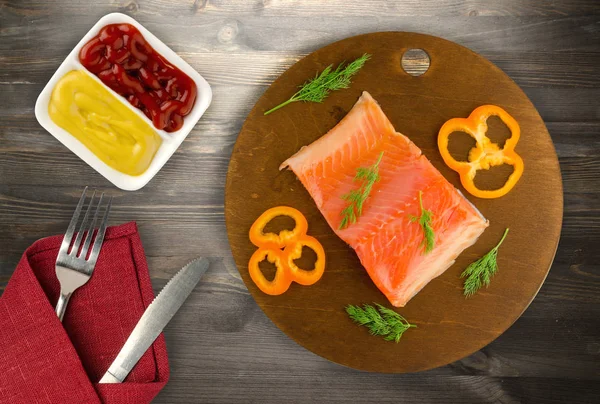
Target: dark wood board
{"x":449,"y":327}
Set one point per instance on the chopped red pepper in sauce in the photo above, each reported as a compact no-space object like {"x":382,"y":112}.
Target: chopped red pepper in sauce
{"x":120,"y":56}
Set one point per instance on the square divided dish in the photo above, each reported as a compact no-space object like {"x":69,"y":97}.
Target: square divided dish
{"x":170,"y":141}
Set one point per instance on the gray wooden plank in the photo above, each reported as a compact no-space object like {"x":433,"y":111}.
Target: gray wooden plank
{"x":310,"y":8}
{"x":303,"y":34}
{"x":222,"y":348}
{"x":252,"y":388}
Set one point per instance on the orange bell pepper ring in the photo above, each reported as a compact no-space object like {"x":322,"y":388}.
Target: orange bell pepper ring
{"x":285,"y":237}
{"x":294,"y":251}
{"x":485,"y":154}
{"x":282,"y":280}
{"x":282,"y":250}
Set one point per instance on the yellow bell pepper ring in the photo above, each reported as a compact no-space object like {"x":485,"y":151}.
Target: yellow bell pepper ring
{"x":485,"y":153}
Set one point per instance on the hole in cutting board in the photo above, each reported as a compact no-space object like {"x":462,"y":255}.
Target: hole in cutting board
{"x":280,"y":223}
{"x":415,"y":62}
{"x":307,"y":259}
{"x":268,"y":269}
{"x":493,"y":178}
{"x":459,"y":145}
{"x":497,"y":131}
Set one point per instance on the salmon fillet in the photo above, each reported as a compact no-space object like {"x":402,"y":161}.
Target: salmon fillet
{"x":388,"y":244}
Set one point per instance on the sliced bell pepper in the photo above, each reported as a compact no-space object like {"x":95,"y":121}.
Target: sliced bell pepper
{"x":485,"y":154}
{"x":282,"y":249}
{"x":294,"y":251}
{"x":259,"y":238}
{"x":282,"y":280}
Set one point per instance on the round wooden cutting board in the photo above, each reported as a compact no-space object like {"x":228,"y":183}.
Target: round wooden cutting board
{"x":450,"y":327}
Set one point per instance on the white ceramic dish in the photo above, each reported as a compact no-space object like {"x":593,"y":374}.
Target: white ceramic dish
{"x":171,"y":141}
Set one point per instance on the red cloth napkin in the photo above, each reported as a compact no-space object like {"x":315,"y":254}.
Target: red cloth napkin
{"x":44,"y":361}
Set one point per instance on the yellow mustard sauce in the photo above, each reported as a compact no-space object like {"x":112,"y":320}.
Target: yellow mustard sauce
{"x":120,"y":138}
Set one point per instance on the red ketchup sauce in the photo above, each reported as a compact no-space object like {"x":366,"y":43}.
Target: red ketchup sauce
{"x":120,"y":56}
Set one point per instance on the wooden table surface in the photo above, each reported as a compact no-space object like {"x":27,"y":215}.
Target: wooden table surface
{"x":222,"y":348}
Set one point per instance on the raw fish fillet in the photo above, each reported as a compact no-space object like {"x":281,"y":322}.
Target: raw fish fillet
{"x":387,"y":243}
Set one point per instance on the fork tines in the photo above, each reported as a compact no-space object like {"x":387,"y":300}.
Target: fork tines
{"x":86,"y":229}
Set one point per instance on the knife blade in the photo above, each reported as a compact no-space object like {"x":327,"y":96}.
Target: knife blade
{"x":155,"y":318}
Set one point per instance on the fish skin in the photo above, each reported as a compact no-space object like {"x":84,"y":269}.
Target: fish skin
{"x":388,"y":244}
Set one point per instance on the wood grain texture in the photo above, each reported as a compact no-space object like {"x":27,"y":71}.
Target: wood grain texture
{"x":222,"y":348}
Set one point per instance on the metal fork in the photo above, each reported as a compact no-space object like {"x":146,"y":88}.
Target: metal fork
{"x":72,"y":268}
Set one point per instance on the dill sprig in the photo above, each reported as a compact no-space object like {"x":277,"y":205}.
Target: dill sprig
{"x":380,"y":321}
{"x":317,"y":89}
{"x":480,"y":272}
{"x":357,"y":197}
{"x":425,"y":222}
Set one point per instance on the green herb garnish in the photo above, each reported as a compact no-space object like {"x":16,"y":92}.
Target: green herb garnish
{"x":357,"y":197}
{"x":385,"y":322}
{"x":317,"y":89}
{"x":480,"y":272}
{"x":425,"y":222}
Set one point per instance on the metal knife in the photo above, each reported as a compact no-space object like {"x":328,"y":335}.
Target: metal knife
{"x":154,"y":319}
